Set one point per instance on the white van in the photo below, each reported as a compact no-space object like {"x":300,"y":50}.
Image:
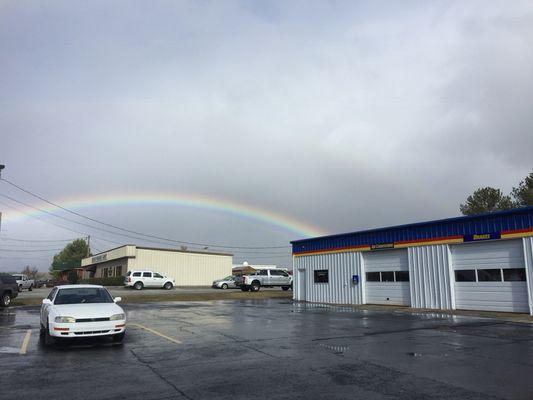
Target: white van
{"x":141,"y":279}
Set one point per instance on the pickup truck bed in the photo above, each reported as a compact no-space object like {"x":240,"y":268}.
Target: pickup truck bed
{"x":8,"y":289}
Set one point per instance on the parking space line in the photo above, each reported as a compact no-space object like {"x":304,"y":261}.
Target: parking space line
{"x":25,"y":342}
{"x":156,"y":333}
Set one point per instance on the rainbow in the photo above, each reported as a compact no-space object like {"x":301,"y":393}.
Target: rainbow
{"x":196,"y":201}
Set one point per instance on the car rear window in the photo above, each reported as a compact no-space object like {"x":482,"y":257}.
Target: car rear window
{"x":4,"y":278}
{"x":128,"y":273}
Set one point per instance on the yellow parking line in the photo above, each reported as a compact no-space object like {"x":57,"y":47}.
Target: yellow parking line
{"x":25,"y":342}
{"x":156,"y":333}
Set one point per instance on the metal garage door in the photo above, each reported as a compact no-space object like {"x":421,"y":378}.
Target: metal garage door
{"x":490,"y":276}
{"x":387,"y":277}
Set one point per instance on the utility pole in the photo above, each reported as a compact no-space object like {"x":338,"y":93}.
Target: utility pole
{"x":88,"y":245}
{"x":2,"y":166}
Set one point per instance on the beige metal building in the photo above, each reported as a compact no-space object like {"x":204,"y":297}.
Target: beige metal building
{"x":187,"y":268}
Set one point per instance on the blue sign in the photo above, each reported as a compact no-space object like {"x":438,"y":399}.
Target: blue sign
{"x":481,"y":236}
{"x":355,"y":279}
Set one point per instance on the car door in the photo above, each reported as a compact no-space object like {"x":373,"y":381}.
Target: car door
{"x":147,"y":279}
{"x":158,"y":279}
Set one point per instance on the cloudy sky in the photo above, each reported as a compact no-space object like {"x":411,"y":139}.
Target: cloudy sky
{"x":319,"y":117}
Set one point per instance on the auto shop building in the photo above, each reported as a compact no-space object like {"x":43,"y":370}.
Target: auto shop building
{"x":481,"y":262}
{"x":186,"y":267}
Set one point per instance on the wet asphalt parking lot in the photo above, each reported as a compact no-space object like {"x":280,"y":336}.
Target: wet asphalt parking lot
{"x":271,"y":349}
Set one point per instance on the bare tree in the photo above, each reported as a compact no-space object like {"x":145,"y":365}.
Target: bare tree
{"x":31,"y":272}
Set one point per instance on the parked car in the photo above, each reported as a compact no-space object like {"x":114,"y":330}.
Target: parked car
{"x":8,"y":289}
{"x":24,"y":282}
{"x":141,"y":279}
{"x":225,"y":283}
{"x":74,"y":311}
{"x":264,"y":277}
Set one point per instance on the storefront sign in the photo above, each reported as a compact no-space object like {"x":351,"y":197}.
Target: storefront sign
{"x":355,"y":279}
{"x":481,"y":236}
{"x":381,"y":246}
{"x":102,"y":257}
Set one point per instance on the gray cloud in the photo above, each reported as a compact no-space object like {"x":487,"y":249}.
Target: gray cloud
{"x":342,"y":114}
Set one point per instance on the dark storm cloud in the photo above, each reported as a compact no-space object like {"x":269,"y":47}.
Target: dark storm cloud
{"x":346,"y":115}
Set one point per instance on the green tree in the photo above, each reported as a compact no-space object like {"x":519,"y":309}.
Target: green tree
{"x":70,"y":257}
{"x":485,"y":200}
{"x":523,"y":194}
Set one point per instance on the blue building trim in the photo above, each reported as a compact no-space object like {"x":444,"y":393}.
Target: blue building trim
{"x":469,"y":228}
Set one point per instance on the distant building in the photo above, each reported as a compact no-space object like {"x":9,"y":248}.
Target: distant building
{"x":186,"y":267}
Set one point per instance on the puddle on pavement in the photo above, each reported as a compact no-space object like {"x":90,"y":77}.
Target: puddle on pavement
{"x":9,"y":350}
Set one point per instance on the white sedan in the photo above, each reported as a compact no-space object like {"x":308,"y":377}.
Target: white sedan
{"x":75,"y":311}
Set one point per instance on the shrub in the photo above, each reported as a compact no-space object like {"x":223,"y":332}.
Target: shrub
{"x":112,"y":281}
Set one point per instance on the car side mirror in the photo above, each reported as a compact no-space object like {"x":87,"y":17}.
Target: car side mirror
{"x":117,"y":299}
{"x":48,"y":302}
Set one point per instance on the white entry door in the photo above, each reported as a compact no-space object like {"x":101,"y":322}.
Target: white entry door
{"x":301,"y":284}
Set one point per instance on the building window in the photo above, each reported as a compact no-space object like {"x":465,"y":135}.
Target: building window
{"x":489,"y":275}
{"x":401,"y":276}
{"x":321,"y":276}
{"x":514,"y":275}
{"x":372,"y":277}
{"x":387,"y":276}
{"x":465,"y":275}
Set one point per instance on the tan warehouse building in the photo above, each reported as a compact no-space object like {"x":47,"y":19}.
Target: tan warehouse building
{"x":187,"y":268}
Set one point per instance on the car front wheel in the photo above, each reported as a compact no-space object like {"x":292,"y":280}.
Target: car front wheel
{"x":167,"y":286}
{"x":30,"y":288}
{"x":138,"y":285}
{"x":49,"y":340}
{"x":119,"y":337}
{"x":5,"y":300}
{"x":224,"y":286}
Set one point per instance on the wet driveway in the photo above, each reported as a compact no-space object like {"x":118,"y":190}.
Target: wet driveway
{"x":272,"y":349}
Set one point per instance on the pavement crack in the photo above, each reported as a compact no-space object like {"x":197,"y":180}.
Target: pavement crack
{"x":160,"y":376}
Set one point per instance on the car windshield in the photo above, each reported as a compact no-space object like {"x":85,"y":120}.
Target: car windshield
{"x":83,"y":296}
{"x":228,"y":278}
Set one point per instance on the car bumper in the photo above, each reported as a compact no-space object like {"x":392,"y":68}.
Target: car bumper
{"x":87,"y":329}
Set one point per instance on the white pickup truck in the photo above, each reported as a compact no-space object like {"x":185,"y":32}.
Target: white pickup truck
{"x":23,"y":282}
{"x":264,"y":277}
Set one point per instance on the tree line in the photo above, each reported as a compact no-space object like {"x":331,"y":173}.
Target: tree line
{"x":489,"y":199}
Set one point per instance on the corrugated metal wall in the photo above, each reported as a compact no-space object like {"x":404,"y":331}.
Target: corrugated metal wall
{"x":429,"y":273}
{"x":187,"y":269}
{"x":528,"y":257}
{"x":340,"y":289}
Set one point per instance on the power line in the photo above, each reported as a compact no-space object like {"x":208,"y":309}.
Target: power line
{"x":132,"y":231}
{"x":29,"y":250}
{"x":36,"y":240}
{"x":41,"y":219}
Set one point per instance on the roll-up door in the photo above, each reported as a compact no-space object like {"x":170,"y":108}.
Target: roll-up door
{"x":387,"y":277}
{"x":490,"y":276}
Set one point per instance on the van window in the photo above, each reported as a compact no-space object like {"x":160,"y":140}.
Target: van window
{"x":147,"y":274}
{"x":136,"y":274}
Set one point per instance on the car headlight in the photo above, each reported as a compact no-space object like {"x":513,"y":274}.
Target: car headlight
{"x":117,"y":317}
{"x":65,"y":320}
